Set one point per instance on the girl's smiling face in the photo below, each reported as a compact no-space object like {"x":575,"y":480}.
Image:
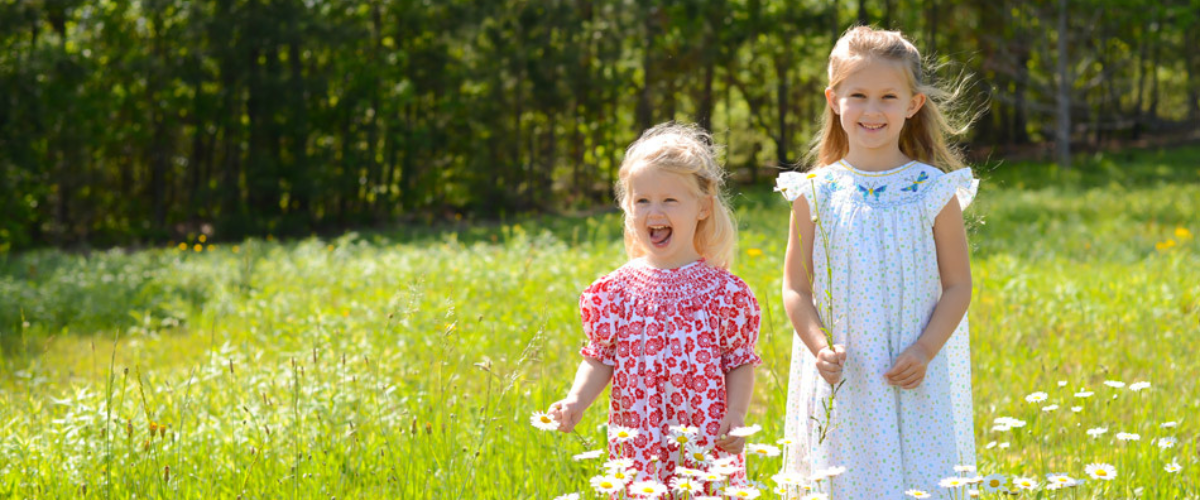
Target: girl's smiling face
{"x":872,"y":104}
{"x":663,"y":214}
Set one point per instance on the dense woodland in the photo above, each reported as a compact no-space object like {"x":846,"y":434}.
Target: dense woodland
{"x":143,"y":122}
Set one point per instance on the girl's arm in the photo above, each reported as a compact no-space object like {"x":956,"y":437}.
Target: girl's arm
{"x":739,"y":386}
{"x":798,"y":295}
{"x":590,"y":380}
{"x":954,"y":267}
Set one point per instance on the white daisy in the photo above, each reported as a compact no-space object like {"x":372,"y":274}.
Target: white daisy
{"x":543,"y":421}
{"x":990,"y":445}
{"x":1036,"y":397}
{"x":1115,"y":384}
{"x":712,"y":477}
{"x":952,"y":482}
{"x":700,"y":455}
{"x":973,"y":479}
{"x":1172,"y":467}
{"x":624,"y":475}
{"x":994,"y":483}
{"x":1025,"y":483}
{"x":725,"y":461}
{"x":917,"y":494}
{"x":727,"y":470}
{"x":1062,"y":383}
{"x":647,"y":489}
{"x":1059,"y":480}
{"x":568,"y":496}
{"x":606,"y":484}
{"x":1167,"y":442}
{"x":1168,"y":425}
{"x":1049,"y":408}
{"x":788,"y":479}
{"x":1096,"y":432}
{"x":784,"y":441}
{"x":1001,"y":428}
{"x":1084,"y":394}
{"x":964,"y":468}
{"x":688,"y":472}
{"x":620,"y":463}
{"x":1076,"y":409}
{"x":1128,"y":436}
{"x":622,"y":434}
{"x":1101,"y":471}
{"x":742,"y":492}
{"x":762,"y":450}
{"x":1004,"y":445}
{"x":834,"y":471}
{"x":745,"y":431}
{"x":587,"y":455}
{"x":1138,"y":386}
{"x":973,"y":493}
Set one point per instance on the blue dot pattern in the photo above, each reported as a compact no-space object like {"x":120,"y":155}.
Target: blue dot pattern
{"x":885,"y":286}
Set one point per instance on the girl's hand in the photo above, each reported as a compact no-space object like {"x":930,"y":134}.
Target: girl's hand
{"x":909,"y":370}
{"x":730,"y":444}
{"x":567,"y":412}
{"x":830,"y":362}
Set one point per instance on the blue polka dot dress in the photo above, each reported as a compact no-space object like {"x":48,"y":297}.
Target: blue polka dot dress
{"x":885,"y":286}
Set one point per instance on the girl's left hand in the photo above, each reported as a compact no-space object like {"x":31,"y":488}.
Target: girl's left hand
{"x":909,"y":370}
{"x":730,"y":444}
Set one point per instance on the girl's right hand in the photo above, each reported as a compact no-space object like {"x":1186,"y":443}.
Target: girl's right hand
{"x":830,"y":362}
{"x":567,"y":412}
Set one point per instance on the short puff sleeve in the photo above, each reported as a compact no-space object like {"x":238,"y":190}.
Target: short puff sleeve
{"x":958,"y":184}
{"x":598,"y":324}
{"x":805,"y":185}
{"x":740,"y":318}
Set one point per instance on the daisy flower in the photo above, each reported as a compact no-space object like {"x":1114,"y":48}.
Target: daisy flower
{"x":1138,"y":386}
{"x":1115,"y":384}
{"x":648,"y":489}
{"x":1128,"y":436}
{"x":1076,"y":409}
{"x":789,"y":479}
{"x":994,"y":483}
{"x":1062,"y":383}
{"x":587,"y":455}
{"x":543,"y":421}
{"x":745,"y":431}
{"x":1001,"y":428}
{"x":834,"y":471}
{"x":606,"y":484}
{"x":762,"y":450}
{"x":742,"y":492}
{"x":951,"y":482}
{"x":1084,"y":394}
{"x":620,"y":463}
{"x":1101,"y":471}
{"x":1060,"y":480}
{"x":990,"y":445}
{"x":1168,"y":425}
{"x":726,"y":470}
{"x":568,"y":496}
{"x":623,"y":475}
{"x":712,"y":477}
{"x":724,"y":461}
{"x":688,"y":472}
{"x":784,"y":441}
{"x":917,"y":494}
{"x":684,"y":485}
{"x":1096,"y":432}
{"x":1049,"y":408}
{"x":964,"y":468}
{"x":1172,"y":467}
{"x":699,"y":454}
{"x":1004,"y":445}
{"x":622,"y":434}
{"x":1036,"y":397}
{"x":1025,"y":483}
{"x":1167,"y":442}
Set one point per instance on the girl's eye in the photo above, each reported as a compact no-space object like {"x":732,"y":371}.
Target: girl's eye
{"x":889,"y":96}
{"x":641,"y":201}
{"x":857,"y":96}
{"x":669,"y":200}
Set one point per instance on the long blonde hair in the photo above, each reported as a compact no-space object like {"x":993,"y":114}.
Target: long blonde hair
{"x":687,"y":150}
{"x":924,"y":136}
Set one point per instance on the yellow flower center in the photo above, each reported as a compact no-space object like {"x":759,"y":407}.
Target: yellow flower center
{"x":1101,"y":472}
{"x":545,"y":419}
{"x":995,"y":483}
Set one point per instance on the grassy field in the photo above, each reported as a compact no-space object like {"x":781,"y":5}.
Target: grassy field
{"x":406,"y":364}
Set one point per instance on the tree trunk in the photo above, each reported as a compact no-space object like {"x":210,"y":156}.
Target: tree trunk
{"x":1063,"y":140}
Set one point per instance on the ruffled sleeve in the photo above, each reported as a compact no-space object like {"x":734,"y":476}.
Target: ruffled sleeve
{"x":959,"y":184}
{"x":598,"y":324}
{"x":740,"y":318}
{"x":794,"y":185}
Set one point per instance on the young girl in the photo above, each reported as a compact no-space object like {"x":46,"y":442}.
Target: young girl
{"x":889,"y":195}
{"x":673,"y":328}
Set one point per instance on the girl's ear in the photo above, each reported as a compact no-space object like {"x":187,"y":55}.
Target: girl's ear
{"x":914,"y":104}
{"x":706,"y":208}
{"x":831,"y":98}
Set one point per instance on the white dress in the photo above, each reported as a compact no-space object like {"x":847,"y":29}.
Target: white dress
{"x":885,"y":286}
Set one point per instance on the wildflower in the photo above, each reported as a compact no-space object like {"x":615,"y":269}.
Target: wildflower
{"x":725,"y":461}
{"x":623,"y":475}
{"x":1167,"y":442}
{"x":994,"y":483}
{"x":622,"y":434}
{"x":745,"y":431}
{"x":917,"y":494}
{"x":1180,"y":232}
{"x":951,"y":482}
{"x":1172,"y":467}
{"x":1076,"y":409}
{"x":606,"y":484}
{"x":1059,"y":480}
{"x":763,"y":450}
{"x":698,"y":454}
{"x":1115,"y":384}
{"x":834,"y":471}
{"x":688,"y":472}
{"x":543,"y":421}
{"x":587,"y":455}
{"x":684,"y":485}
{"x":784,"y":441}
{"x":788,"y":479}
{"x":727,"y":470}
{"x":1036,"y":397}
{"x":568,"y":496}
{"x":1062,"y":383}
{"x":1004,"y":445}
{"x":754,"y":252}
{"x":1001,"y":428}
{"x":964,"y":468}
{"x":620,"y":463}
{"x":1138,"y":386}
{"x":1084,"y":394}
{"x":1025,"y":483}
{"x":1049,"y":408}
{"x":742,"y":492}
{"x":1096,"y":432}
{"x":1168,"y":425}
{"x":1101,"y":471}
{"x":648,"y":489}
{"x":712,"y":477}
{"x":990,"y":445}
{"x":1128,"y":436}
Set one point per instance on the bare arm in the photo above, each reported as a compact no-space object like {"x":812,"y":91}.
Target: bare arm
{"x":798,"y":294}
{"x":739,"y":386}
{"x":954,"y":268}
{"x":590,"y":380}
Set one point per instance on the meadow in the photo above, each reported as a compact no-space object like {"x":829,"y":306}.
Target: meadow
{"x":406,"y":363}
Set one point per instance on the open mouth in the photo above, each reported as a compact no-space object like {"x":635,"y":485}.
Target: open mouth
{"x":660,"y":236}
{"x":873,"y":128}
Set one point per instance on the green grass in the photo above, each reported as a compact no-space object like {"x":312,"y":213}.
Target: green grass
{"x":406,"y":364}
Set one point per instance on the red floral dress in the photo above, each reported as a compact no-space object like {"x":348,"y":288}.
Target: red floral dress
{"x":670,"y":335}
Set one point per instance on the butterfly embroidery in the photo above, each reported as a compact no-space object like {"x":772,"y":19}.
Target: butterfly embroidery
{"x":920,"y":180}
{"x":871,"y":191}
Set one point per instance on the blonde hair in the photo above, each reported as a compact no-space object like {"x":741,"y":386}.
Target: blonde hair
{"x":924,"y":136}
{"x":687,"y":150}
